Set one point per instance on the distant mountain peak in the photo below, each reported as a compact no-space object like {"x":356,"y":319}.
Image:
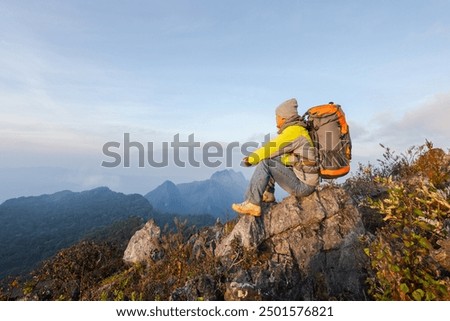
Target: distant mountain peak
{"x":223,"y":173}
{"x":168,"y":183}
{"x":213,"y":196}
{"x":166,"y":198}
{"x":228,"y":176}
{"x":100,"y":189}
{"x":166,"y":187}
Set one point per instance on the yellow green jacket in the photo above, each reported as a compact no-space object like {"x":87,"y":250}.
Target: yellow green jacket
{"x":293,"y":140}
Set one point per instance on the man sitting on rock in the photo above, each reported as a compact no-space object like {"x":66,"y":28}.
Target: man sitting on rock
{"x":289,"y":160}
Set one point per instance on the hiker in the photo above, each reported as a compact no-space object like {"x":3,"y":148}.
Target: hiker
{"x":289,"y":160}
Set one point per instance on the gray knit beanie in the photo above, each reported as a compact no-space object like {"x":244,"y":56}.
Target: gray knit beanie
{"x":288,"y":109}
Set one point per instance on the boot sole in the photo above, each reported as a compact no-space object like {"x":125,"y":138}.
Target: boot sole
{"x":256,"y":214}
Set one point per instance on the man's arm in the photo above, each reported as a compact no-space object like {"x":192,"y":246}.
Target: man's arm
{"x":274,"y":146}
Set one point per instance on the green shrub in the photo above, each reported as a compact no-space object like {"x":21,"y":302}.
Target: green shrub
{"x":402,"y":253}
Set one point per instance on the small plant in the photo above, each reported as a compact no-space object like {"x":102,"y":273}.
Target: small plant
{"x":73,"y":272}
{"x":403,"y":264}
{"x":158,"y":280}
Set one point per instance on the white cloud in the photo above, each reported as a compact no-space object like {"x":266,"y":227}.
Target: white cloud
{"x":428,"y":120}
{"x":88,"y":181}
{"x":358,"y":131}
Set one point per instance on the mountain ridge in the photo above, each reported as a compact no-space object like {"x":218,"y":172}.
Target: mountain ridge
{"x":37,"y":227}
{"x":212,"y":196}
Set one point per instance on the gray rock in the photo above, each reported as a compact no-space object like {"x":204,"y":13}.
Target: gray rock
{"x":313,"y":248}
{"x":204,"y":242}
{"x":242,"y":292}
{"x":202,"y":288}
{"x":145,"y":245}
{"x":249,"y":231}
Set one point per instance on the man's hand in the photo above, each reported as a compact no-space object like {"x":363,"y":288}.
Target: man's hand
{"x":245,"y":162}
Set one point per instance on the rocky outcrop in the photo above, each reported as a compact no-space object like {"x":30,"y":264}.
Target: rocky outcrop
{"x":312,"y":247}
{"x":299,"y":249}
{"x":323,"y":221}
{"x":145,"y":245}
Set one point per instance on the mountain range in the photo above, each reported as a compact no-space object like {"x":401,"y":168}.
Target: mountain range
{"x":212,"y":196}
{"x":35,"y":228}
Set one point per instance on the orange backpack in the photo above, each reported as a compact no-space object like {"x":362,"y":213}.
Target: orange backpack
{"x":329,"y":131}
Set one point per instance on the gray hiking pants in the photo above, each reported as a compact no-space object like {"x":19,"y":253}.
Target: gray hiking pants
{"x":273,"y":169}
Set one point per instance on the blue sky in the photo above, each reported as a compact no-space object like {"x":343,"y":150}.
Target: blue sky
{"x":77,"y":74}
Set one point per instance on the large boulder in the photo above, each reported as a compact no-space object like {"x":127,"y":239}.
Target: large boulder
{"x":311,"y":245}
{"x":145,"y":245}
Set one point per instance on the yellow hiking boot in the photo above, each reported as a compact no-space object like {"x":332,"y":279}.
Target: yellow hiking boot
{"x":247,"y":208}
